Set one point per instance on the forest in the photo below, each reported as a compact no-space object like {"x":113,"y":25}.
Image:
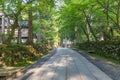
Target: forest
{"x":92,"y":25}
{"x":29,"y":29}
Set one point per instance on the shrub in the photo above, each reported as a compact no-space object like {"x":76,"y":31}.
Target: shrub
{"x":13,"y":54}
{"x":109,"y":49}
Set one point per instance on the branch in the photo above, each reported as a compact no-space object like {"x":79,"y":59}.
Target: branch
{"x":102,"y":5}
{"x":21,"y":8}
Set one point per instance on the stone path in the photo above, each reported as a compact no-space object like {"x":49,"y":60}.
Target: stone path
{"x":65,"y":64}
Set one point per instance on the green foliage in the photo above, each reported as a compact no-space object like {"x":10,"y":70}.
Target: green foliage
{"x":109,"y":49}
{"x":99,"y":14}
{"x":18,"y":54}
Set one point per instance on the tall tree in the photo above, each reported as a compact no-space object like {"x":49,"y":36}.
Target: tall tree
{"x":30,"y":30}
{"x":18,"y":7}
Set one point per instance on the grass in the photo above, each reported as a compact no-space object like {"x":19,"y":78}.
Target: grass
{"x":24,"y":63}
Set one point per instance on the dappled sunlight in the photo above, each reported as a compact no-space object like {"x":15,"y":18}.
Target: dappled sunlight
{"x":92,"y":57}
{"x":7,"y":71}
{"x":32,"y":50}
{"x":64,"y":64}
{"x":110,"y":62}
{"x":30,"y":29}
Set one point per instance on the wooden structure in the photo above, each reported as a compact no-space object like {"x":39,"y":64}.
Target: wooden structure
{"x":23,"y":31}
{"x":5,"y":23}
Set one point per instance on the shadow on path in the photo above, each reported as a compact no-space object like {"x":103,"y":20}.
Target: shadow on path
{"x":30,"y":70}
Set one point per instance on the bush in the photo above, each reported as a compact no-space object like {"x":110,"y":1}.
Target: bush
{"x":13,"y":54}
{"x":109,"y":49}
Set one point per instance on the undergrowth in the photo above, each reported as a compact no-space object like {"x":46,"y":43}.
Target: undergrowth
{"x":21,"y":55}
{"x":106,"y":49}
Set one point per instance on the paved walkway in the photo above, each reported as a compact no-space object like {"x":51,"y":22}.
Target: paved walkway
{"x":65,"y":64}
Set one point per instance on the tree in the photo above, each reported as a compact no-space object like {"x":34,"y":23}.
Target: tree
{"x":17,"y":7}
{"x":95,"y":19}
{"x":30,"y":30}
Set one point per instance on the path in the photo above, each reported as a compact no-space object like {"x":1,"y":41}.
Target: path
{"x":65,"y":64}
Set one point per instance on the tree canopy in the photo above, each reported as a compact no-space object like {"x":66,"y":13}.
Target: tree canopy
{"x":94,"y":20}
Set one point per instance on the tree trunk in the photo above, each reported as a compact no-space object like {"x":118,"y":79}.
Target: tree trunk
{"x":91,"y":30}
{"x":2,"y":29}
{"x":117,"y":16}
{"x":38,"y":32}
{"x":19,"y":35}
{"x":107,"y":13}
{"x":101,"y":36}
{"x":117,"y":13}
{"x":3,"y":24}
{"x":88,"y":22}
{"x":0,"y":40}
{"x":86,"y":34}
{"x":30,"y":30}
{"x":110,"y":30}
{"x":11,"y":34}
